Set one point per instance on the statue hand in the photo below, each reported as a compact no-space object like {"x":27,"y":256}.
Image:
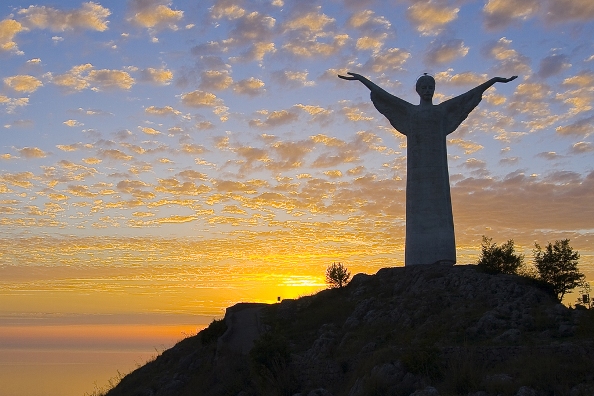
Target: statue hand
{"x":506,"y":80}
{"x":354,"y":76}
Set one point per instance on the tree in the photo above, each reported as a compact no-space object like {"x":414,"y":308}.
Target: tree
{"x":499,"y":259}
{"x":337,"y":275}
{"x":557,"y":265}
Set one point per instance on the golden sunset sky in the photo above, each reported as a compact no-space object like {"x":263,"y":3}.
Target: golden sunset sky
{"x":162,"y":160}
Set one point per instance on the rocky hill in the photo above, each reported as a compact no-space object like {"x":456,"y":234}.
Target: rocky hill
{"x":421,"y":330}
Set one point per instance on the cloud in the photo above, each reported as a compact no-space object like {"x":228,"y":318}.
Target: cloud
{"x":468,"y":146}
{"x":72,"y":147}
{"x":328,"y":141}
{"x":275,"y":118}
{"x":83,"y":76}
{"x":392,"y":59}
{"x":227,"y":9}
{"x":23,"y":83}
{"x":215,"y":80}
{"x":92,"y":161}
{"x":508,"y":137}
{"x":111,"y":79}
{"x":367,"y":21}
{"x":311,"y":22}
{"x":337,"y":152}
{"x":190,"y":174}
{"x":289,"y":155}
{"x":114,"y":154}
{"x":12,"y":104}
{"x":93,"y":112}
{"x":548,"y":155}
{"x":373,"y":43}
{"x":91,"y":16}
{"x":354,"y":113}
{"x":154,"y":14}
{"x":32,"y":152}
{"x":252,"y":28}
{"x":72,"y":123}
{"x":460,"y":79}
{"x":20,"y":124}
{"x":191,"y":148}
{"x":373,"y":30}
{"x":204,"y":125}
{"x":473,"y":163}
{"x":251,"y":156}
{"x":429,"y":17}
{"x":509,"y":161}
{"x":8,"y":30}
{"x":317,"y":113}
{"x":21,"y":179}
{"x":149,"y":130}
{"x":250,"y":86}
{"x":293,"y":79}
{"x":445,"y":51}
{"x":201,"y":99}
{"x":256,"y":52}
{"x":475,"y":203}
{"x":73,"y":80}
{"x":161,"y":111}
{"x":582,"y":128}
{"x":570,"y":10}
{"x":333,"y":174}
{"x":157,"y":76}
{"x":581,"y":148}
{"x":307,"y":48}
{"x":500,"y":13}
{"x":174,"y":187}
{"x":553,"y":65}
{"x":131,"y":186}
{"x":510,"y":62}
{"x":582,"y":79}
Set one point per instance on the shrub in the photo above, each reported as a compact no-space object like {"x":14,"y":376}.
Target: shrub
{"x":557,"y":265}
{"x":337,"y":275}
{"x":213,"y":331}
{"x":499,"y":259}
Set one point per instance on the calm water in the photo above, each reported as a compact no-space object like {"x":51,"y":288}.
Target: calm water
{"x":74,"y":360}
{"x":68,"y":328}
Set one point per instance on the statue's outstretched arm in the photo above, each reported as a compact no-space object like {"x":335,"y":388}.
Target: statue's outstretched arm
{"x":396,"y":110}
{"x":354,"y":76}
{"x":486,"y":85}
{"x":374,"y":88}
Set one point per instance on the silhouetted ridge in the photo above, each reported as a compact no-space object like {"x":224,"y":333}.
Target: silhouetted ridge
{"x":419,"y":330}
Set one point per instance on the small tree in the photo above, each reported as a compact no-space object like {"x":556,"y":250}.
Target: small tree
{"x":499,"y":259}
{"x":557,"y":265}
{"x":337,"y":275}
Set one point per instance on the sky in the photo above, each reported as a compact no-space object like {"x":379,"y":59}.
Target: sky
{"x":175,"y":157}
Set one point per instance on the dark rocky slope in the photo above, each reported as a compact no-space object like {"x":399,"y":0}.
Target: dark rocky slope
{"x":423,"y":330}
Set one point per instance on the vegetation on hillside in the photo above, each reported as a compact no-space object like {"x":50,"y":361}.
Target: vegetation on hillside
{"x":555,"y":266}
{"x":337,"y":275}
{"x":499,"y":259}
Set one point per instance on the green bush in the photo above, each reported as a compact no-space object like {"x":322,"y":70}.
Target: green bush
{"x":499,"y":259}
{"x":337,"y":275}
{"x":557,"y":265}
{"x":213,"y":331}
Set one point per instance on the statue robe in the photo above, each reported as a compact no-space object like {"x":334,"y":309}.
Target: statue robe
{"x":429,"y":220}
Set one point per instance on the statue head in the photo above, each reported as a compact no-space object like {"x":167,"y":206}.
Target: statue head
{"x":425,"y":87}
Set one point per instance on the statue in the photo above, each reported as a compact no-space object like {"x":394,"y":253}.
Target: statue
{"x":429,"y":221}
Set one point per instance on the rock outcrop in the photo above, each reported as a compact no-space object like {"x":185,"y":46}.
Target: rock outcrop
{"x":420,"y":330}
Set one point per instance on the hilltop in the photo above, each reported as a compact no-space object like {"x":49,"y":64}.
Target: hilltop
{"x":420,"y":330}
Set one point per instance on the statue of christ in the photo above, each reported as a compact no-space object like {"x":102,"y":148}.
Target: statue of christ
{"x":430,"y":235}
